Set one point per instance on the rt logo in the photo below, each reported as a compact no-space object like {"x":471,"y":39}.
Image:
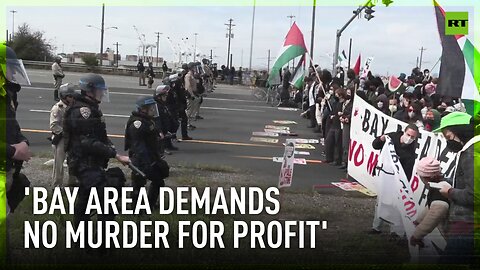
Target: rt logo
{"x":456,"y":23}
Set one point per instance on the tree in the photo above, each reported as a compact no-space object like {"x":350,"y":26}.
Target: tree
{"x":90,"y":60}
{"x":31,"y":45}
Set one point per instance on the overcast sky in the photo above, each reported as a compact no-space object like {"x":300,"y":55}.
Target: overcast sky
{"x":394,"y":37}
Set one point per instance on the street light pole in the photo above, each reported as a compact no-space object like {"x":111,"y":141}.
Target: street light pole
{"x":13,"y":22}
{"x":340,"y":31}
{"x":195,"y":47}
{"x":102,"y":31}
{"x":251,"y":38}
{"x":421,"y":57}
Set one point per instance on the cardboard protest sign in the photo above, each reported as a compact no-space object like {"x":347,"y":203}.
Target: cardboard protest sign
{"x":286,"y":171}
{"x":265,"y":140}
{"x":279,"y":131}
{"x":284,"y":122}
{"x":315,"y":141}
{"x":265,"y":134}
{"x":300,"y":161}
{"x":277,"y":127}
{"x":304,"y":146}
{"x":303,"y":153}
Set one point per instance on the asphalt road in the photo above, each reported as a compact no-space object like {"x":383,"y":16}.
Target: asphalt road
{"x":222,"y":138}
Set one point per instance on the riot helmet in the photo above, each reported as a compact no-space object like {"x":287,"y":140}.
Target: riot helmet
{"x":12,"y":67}
{"x":95,"y":84}
{"x":147,"y":105}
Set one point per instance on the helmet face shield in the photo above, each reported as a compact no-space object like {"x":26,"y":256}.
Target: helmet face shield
{"x":152,"y":110}
{"x":16,"y":72}
{"x":102,"y":95}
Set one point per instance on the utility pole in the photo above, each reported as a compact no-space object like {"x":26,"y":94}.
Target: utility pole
{"x":421,"y":57}
{"x":230,"y":36}
{"x":13,"y":22}
{"x":417,"y":62}
{"x":116,"y":53}
{"x":158,"y":46}
{"x":268,"y":61}
{"x":211,"y":56}
{"x":312,"y":40}
{"x":195,"y":47}
{"x":251,"y":38}
{"x":102,"y":30}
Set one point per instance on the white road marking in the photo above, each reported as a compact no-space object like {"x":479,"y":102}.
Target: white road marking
{"x":141,"y":94}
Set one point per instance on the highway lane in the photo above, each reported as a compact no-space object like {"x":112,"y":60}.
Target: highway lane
{"x":222,"y":138}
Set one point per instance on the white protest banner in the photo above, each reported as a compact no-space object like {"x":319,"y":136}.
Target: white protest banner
{"x":265,"y":134}
{"x":277,"y":127}
{"x":369,"y":123}
{"x":286,"y":171}
{"x":300,"y":161}
{"x":395,"y":198}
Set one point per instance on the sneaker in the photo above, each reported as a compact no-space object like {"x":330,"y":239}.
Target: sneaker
{"x":166,"y":152}
{"x":187,"y":138}
{"x":172,"y":148}
{"x":198,"y":117}
{"x":191,"y":127}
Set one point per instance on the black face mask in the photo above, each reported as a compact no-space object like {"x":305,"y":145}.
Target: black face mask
{"x":455,"y":146}
{"x":429,"y":121}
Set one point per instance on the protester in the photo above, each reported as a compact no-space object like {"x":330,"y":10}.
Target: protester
{"x":333,"y":141}
{"x":459,"y":130}
{"x":405,"y":143}
{"x":436,"y":212}
{"x":381,"y":104}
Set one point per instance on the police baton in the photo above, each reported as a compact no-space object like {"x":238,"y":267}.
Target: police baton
{"x":137,"y":170}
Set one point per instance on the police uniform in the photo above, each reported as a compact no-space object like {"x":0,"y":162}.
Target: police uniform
{"x":58,"y":76}
{"x":142,"y":142}
{"x":177,"y":103}
{"x":56,"y":126}
{"x":13,"y":136}
{"x":88,"y":151}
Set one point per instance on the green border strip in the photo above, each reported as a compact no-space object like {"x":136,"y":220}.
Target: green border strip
{"x":405,"y":3}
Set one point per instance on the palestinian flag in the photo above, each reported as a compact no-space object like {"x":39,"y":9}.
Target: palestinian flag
{"x":293,"y":46}
{"x":456,"y":78}
{"x":299,"y":75}
{"x":356,"y":68}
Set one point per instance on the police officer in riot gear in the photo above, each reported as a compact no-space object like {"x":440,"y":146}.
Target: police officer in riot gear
{"x":16,"y":146}
{"x":86,"y":143}
{"x":142,"y":143}
{"x":166,"y":123}
{"x":177,"y":100}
